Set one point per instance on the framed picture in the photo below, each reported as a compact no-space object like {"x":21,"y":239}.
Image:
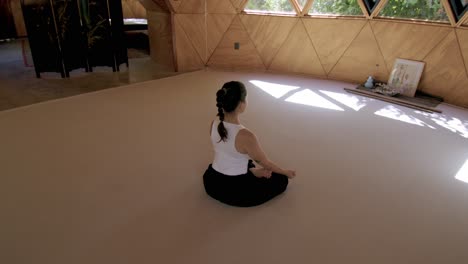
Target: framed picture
{"x":405,"y":76}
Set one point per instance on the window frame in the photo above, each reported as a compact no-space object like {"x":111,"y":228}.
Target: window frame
{"x":458,"y":9}
{"x":368,"y":6}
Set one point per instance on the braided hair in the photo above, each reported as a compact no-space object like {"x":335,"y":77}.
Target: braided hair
{"x":227,"y":100}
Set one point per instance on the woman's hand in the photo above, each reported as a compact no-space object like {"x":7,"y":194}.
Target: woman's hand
{"x":261,"y":172}
{"x":290,"y":174}
{"x":247,"y":143}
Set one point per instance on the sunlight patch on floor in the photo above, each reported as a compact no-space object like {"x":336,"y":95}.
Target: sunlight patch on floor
{"x":307,"y":97}
{"x":357,"y":103}
{"x":349,"y":100}
{"x":274,"y":89}
{"x":462,"y":174}
{"x":394,"y":113}
{"x":451,"y":123}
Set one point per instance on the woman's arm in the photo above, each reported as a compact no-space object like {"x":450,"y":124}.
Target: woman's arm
{"x":250,"y":145}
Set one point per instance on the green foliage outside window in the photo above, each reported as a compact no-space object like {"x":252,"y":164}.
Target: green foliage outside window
{"x":415,"y":9}
{"x":282,"y":6}
{"x":336,"y":7}
{"x":303,"y":2}
{"x":431,"y":10}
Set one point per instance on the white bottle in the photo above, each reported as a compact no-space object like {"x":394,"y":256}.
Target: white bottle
{"x":369,"y":83}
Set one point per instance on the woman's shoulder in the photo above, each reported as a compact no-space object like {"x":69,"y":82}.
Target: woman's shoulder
{"x":246,"y":133}
{"x":246,"y":138}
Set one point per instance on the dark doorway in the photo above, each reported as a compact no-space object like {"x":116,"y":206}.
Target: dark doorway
{"x":7,"y":23}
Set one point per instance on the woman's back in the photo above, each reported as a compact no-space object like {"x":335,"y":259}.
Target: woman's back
{"x":227,"y":159}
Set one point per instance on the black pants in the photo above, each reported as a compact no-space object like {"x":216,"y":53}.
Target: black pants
{"x":243,"y":190}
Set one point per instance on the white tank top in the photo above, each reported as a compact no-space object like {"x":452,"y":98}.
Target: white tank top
{"x":227,"y":160}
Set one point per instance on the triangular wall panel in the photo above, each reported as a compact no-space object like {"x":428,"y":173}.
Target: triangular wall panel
{"x":194,"y":26}
{"x":361,"y":59}
{"x":444,"y":72}
{"x":133,"y":9}
{"x":155,"y":5}
{"x":463,"y":42}
{"x":187,"y":57}
{"x":175,"y":4}
{"x":236,"y":4}
{"x":217,"y":25}
{"x":192,"y":7}
{"x":398,"y":40}
{"x":227,"y":57}
{"x":298,"y":54}
{"x":220,"y":7}
{"x":331,"y":37}
{"x":268,"y":33}
{"x":139,"y":8}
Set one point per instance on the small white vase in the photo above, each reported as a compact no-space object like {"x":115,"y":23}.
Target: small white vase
{"x":369,"y":83}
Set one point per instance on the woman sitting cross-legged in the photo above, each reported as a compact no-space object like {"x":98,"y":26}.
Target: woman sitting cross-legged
{"x":232,"y":178}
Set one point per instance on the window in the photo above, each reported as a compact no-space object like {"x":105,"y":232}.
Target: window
{"x":270,"y":6}
{"x":370,"y":5}
{"x":303,"y":2}
{"x":431,"y":10}
{"x":459,"y":7}
{"x":336,"y":7}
